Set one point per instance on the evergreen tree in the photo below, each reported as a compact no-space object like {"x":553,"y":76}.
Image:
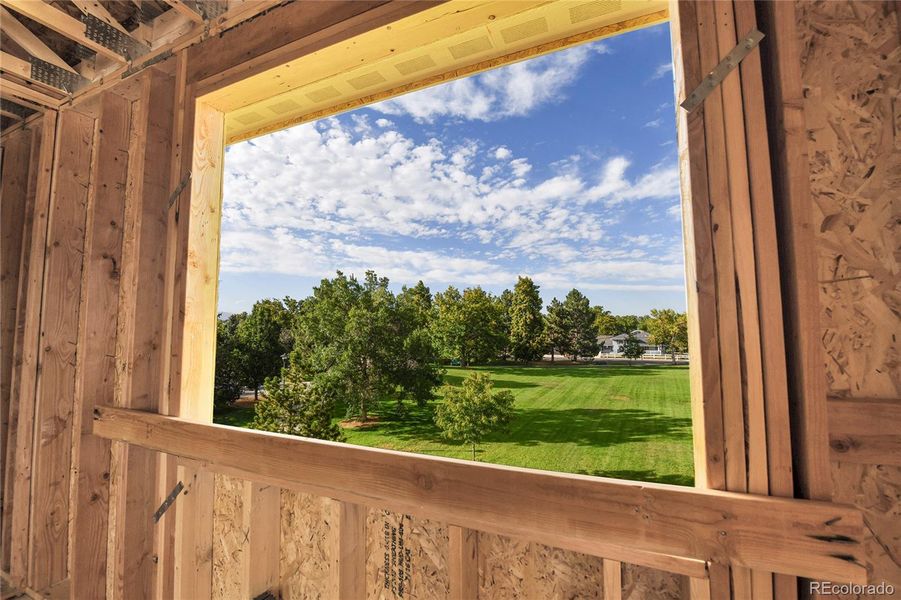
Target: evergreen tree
{"x":295,"y":406}
{"x":526,"y":322}
{"x":556,"y":328}
{"x":581,"y":334}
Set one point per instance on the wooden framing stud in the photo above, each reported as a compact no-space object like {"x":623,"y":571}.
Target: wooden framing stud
{"x":463,"y":563}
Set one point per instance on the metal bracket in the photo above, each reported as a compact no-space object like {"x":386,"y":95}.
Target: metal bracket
{"x":719,"y":72}
{"x":55,"y":76}
{"x":168,"y":502}
{"x":179,"y":189}
{"x":109,"y":37}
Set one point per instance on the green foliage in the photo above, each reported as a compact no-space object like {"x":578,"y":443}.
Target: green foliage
{"x":570,"y":326}
{"x":468,"y":326}
{"x":582,"y":337}
{"x":669,"y":328}
{"x":555,"y":327}
{"x":604,"y":321}
{"x":229,"y":361}
{"x":295,"y":406}
{"x":631,"y":348}
{"x":526,"y":323}
{"x":472,"y":411}
{"x":353,"y":339}
{"x":261,"y":342}
{"x":416,"y":303}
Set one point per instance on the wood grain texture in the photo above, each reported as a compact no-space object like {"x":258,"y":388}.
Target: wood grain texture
{"x":794,"y":537}
{"x":21,"y":448}
{"x":703,"y":333}
{"x":14,"y":190}
{"x":406,"y":556}
{"x":463,"y":563}
{"x":640,"y":583}
{"x":865,"y":431}
{"x":304,"y":562}
{"x":849,"y":65}
{"x":48,"y":552}
{"x":613,"y":580}
{"x":95,"y":377}
{"x":788,"y":148}
{"x":10,"y":415}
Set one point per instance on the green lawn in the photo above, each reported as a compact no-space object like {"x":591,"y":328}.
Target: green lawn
{"x":616,"y":421}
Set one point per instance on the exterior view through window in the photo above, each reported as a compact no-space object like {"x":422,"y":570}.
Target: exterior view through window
{"x":490,"y":269}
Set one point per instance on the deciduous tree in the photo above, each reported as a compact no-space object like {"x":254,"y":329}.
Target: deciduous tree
{"x":670,"y":329}
{"x":472,"y":411}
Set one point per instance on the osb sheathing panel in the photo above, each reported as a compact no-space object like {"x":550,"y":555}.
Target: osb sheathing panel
{"x":641,"y":583}
{"x":411,"y":551}
{"x":876,"y":490}
{"x":229,"y":536}
{"x":851,"y":65}
{"x":511,"y":569}
{"x":304,"y":555}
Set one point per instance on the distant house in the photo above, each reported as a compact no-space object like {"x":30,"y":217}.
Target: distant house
{"x":612,"y":344}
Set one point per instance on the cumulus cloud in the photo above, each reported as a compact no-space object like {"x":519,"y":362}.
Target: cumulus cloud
{"x":342,"y":194}
{"x":514,"y":90}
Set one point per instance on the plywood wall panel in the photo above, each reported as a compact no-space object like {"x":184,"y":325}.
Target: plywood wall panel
{"x":876,"y":490}
{"x":406,"y":557}
{"x":229,"y":531}
{"x":851,"y":66}
{"x":641,"y":583}
{"x":304,"y":562}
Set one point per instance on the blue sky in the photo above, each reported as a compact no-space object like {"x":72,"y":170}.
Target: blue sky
{"x":563,"y":168}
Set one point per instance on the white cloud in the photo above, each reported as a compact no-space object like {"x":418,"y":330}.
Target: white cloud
{"x":662,"y":70}
{"x":514,"y":90}
{"x":655,"y":123}
{"x":345,"y":195}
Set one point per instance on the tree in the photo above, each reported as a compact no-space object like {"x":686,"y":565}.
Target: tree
{"x":581,"y":334}
{"x":526,"y":322}
{"x":472,"y":411}
{"x":556,"y":333}
{"x":262,"y":343}
{"x":604,"y":321}
{"x":354,"y":341}
{"x":505,"y":312}
{"x":468,"y":327}
{"x":295,"y":406}
{"x":670,"y":329}
{"x":229,"y":361}
{"x":416,"y":302}
{"x":631,"y":348}
{"x":447,"y":327}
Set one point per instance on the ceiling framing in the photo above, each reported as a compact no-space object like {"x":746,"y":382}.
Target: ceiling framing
{"x":54,"y":50}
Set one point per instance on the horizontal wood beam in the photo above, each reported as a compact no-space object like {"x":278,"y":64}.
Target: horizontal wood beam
{"x":15,"y":91}
{"x":29,"y":42}
{"x":865,"y":431}
{"x":62,"y":23}
{"x":605,"y":517}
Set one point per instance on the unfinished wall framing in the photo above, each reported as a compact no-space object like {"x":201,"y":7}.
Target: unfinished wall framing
{"x":108,"y":307}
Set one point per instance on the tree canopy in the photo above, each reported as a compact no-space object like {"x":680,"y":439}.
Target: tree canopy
{"x":470,"y":412}
{"x":670,"y":329}
{"x":526,"y":321}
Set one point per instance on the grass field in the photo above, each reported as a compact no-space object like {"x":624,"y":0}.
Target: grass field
{"x":616,"y":421}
